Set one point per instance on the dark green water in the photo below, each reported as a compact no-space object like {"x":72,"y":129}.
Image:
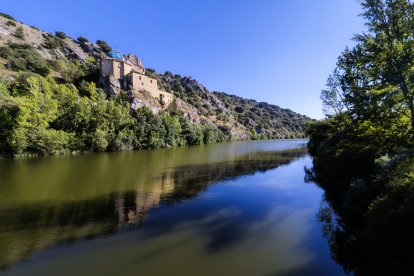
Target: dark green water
{"x":238,"y":208}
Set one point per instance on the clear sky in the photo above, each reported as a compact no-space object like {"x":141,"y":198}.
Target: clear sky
{"x":278,"y":51}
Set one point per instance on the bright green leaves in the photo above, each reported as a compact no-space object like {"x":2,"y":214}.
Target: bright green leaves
{"x":39,"y":116}
{"x":374,"y":81}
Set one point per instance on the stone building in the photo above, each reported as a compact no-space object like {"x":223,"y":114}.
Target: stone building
{"x":130,"y":73}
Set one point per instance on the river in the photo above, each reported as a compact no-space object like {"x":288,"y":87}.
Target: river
{"x":239,"y":208}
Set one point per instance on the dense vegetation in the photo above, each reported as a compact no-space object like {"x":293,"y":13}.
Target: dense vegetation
{"x":52,"y":102}
{"x":363,"y":152}
{"x":40,"y":116}
{"x":23,"y":57}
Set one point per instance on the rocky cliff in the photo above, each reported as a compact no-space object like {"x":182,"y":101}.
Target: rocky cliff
{"x":243,"y":118}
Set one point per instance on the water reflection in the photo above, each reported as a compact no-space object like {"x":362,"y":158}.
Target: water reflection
{"x":368,"y":223}
{"x":61,"y":201}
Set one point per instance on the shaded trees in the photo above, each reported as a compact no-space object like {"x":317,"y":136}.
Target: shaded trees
{"x":363,"y":152}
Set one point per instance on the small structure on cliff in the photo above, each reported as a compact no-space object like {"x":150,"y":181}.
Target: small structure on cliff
{"x":127,"y":73}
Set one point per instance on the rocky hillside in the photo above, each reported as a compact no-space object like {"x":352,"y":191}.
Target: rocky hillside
{"x":24,"y":48}
{"x":247,"y":119}
{"x":51,"y":47}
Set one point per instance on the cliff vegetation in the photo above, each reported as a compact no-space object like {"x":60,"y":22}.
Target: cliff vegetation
{"x":51,"y":102}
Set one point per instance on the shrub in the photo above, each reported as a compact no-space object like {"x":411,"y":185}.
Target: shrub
{"x":82,"y":39}
{"x":70,"y":72}
{"x":23,"y":57}
{"x":7,"y":16}
{"x":87,"y":89}
{"x":51,"y":41}
{"x":60,"y":35}
{"x":239,"y":109}
{"x":104,"y":46}
{"x":10,"y":23}
{"x":19,"y":33}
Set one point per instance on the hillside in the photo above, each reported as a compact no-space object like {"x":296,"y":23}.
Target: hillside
{"x":29,"y":55}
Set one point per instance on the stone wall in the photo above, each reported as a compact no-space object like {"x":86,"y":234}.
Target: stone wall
{"x":124,"y":73}
{"x":142,"y":82}
{"x":116,"y":68}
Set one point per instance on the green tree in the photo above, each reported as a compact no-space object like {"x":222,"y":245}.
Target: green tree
{"x":29,"y":118}
{"x":70,"y":71}
{"x":104,"y":46}
{"x":193,"y":134}
{"x":375,"y":79}
{"x":88,"y":89}
{"x":60,"y":35}
{"x":332,"y":97}
{"x":51,"y":41}
{"x":82,"y":39}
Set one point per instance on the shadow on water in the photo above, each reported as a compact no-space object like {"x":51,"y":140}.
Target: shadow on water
{"x":92,"y":196}
{"x":368,"y":224}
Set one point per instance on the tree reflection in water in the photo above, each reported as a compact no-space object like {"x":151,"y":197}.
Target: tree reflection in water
{"x":369,"y":227}
{"x":28,"y":227}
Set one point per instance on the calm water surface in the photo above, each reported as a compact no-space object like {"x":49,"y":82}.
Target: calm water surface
{"x":238,"y":208}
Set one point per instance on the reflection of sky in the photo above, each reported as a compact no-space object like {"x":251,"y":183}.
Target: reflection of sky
{"x":261,"y":224}
{"x":223,"y":151}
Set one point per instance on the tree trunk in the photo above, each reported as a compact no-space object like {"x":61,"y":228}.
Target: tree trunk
{"x":411,"y":105}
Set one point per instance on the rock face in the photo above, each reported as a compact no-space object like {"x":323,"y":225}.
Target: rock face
{"x":144,"y":99}
{"x":111,"y":85}
{"x":137,"y":65}
{"x":37,"y":38}
{"x":240,"y":117}
{"x":138,"y":103}
{"x":190,"y":112}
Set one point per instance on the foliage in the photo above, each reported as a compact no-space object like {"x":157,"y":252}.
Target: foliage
{"x":239,"y":109}
{"x":104,"y":46}
{"x":40,"y":116}
{"x":76,"y":71}
{"x":19,"y":33}
{"x":362,"y":152}
{"x":23,"y":57}
{"x":7,"y":16}
{"x":269,"y":121}
{"x":60,"y":35}
{"x":332,"y":97}
{"x":52,"y":42}
{"x":82,"y":39}
{"x":74,"y":115}
{"x":11,"y":23}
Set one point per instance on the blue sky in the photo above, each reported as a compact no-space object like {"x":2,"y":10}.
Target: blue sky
{"x":278,"y":51}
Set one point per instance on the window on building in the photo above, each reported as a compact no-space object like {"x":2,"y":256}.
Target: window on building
{"x":139,"y":77}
